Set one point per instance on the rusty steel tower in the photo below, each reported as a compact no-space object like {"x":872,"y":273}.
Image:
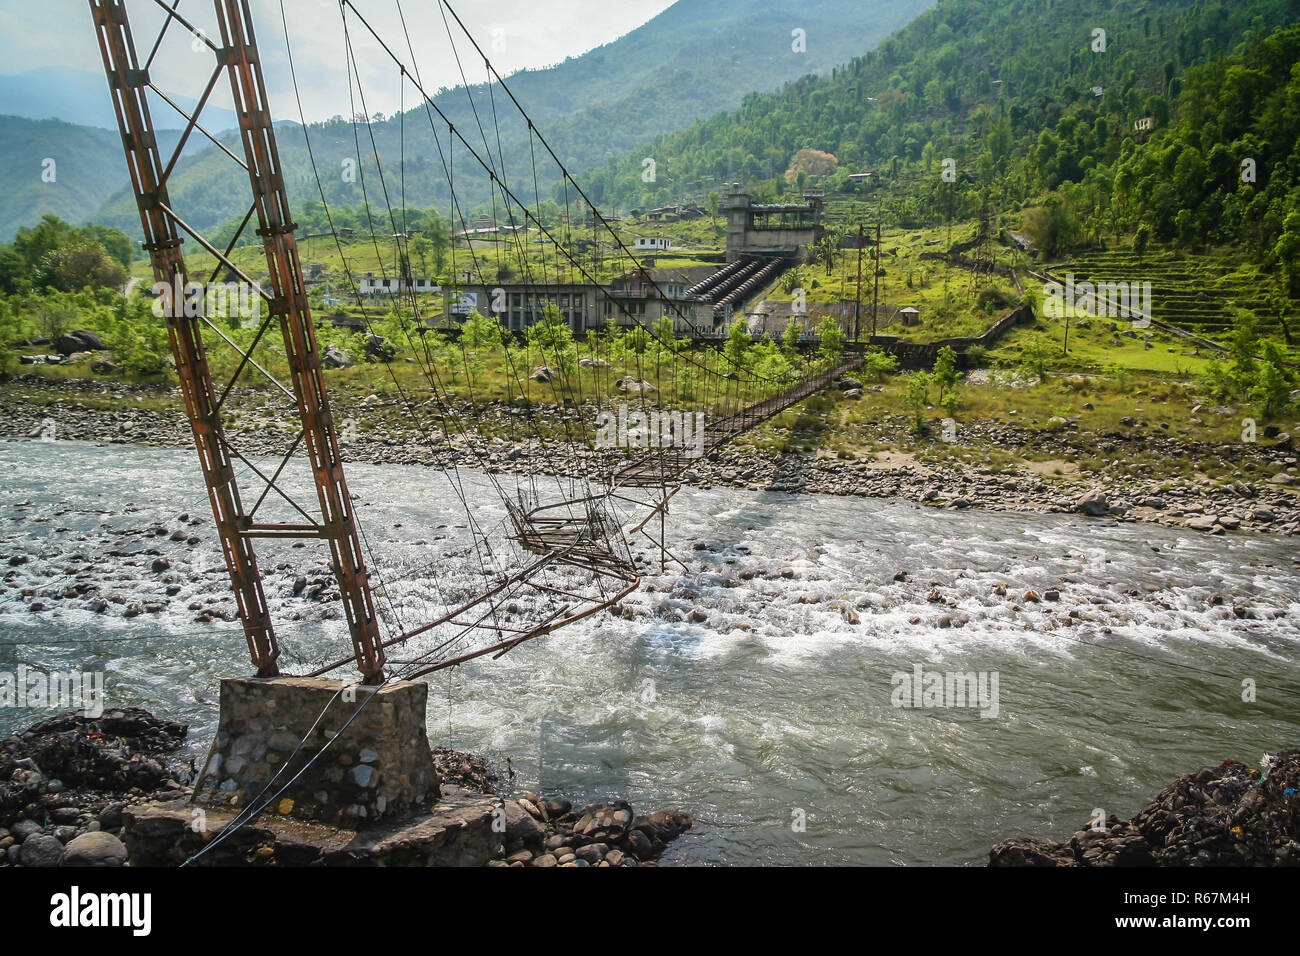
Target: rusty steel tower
{"x":332,"y":519}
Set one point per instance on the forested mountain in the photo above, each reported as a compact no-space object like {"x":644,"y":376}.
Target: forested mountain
{"x":87,"y":165}
{"x":1226,"y":169}
{"x":1023,"y":95}
{"x":695,"y":58}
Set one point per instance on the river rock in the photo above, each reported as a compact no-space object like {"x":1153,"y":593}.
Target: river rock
{"x":378,"y":348}
{"x":41,"y":849}
{"x":556,"y":807}
{"x":1095,"y":503}
{"x":630,"y":384}
{"x":520,"y":825}
{"x":82,"y":340}
{"x":97,"y":849}
{"x":1027,"y":851}
{"x":335,"y":357}
{"x":24,"y":828}
{"x":1229,"y":815}
{"x":1119,"y":844}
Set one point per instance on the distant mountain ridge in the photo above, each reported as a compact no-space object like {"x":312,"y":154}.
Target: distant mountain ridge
{"x":87,"y":165}
{"x":692,"y":60}
{"x":80,"y":97}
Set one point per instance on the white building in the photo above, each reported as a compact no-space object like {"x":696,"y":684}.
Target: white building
{"x":652,"y":244}
{"x":392,"y":285}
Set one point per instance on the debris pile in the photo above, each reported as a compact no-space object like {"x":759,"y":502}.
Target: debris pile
{"x":1229,"y":815}
{"x":64,"y":783}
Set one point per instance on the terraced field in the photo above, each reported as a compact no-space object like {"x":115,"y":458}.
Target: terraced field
{"x":1196,"y":293}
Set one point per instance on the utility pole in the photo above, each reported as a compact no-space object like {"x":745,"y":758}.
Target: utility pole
{"x":875,"y":295}
{"x":857,"y":305}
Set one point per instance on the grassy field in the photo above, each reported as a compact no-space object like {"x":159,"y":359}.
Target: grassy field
{"x":952,"y":302}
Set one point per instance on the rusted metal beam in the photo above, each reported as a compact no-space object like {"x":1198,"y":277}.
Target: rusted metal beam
{"x":127,"y":84}
{"x":288,"y":302}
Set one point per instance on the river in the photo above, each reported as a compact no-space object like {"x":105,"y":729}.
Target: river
{"x":773,"y":721}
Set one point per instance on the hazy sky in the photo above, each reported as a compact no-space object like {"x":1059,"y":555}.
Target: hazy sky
{"x":516,"y":34}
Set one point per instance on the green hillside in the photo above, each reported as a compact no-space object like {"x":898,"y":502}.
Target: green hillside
{"x":983,"y":82}
{"x":88,"y":166}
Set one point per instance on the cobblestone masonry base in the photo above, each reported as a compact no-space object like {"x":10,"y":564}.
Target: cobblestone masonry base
{"x":379,"y":767}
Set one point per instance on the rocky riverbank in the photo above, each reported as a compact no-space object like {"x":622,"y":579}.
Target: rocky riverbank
{"x":69,"y":785}
{"x":65,"y":783}
{"x":1229,"y":815}
{"x":1265,"y":497}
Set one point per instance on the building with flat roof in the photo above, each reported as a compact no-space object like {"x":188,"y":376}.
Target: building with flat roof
{"x":773,"y":229}
{"x":629,"y":300}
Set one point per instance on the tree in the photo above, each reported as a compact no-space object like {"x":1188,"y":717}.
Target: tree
{"x":552,"y":336}
{"x":945,"y":371}
{"x":830,"y":340}
{"x":1287,"y":252}
{"x":439,"y":236}
{"x":11,"y":330}
{"x":138,"y":338}
{"x":76,"y":265}
{"x":810,"y":162}
{"x":664,"y":335}
{"x":637,"y":340}
{"x":790,"y":338}
{"x":879,"y":364}
{"x":1271,"y":392}
{"x":1034,"y":358}
{"x":115,"y":242}
{"x":916,"y":396}
{"x":34,"y":243}
{"x":420,"y":247}
{"x":14,"y":274}
{"x":480,"y":333}
{"x":1141,"y":241}
{"x":738,"y":342}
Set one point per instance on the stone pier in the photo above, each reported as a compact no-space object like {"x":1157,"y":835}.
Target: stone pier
{"x":379,"y":767}
{"x":373,"y":798}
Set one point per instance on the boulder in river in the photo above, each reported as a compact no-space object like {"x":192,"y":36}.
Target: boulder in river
{"x":41,"y":849}
{"x":97,"y":849}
